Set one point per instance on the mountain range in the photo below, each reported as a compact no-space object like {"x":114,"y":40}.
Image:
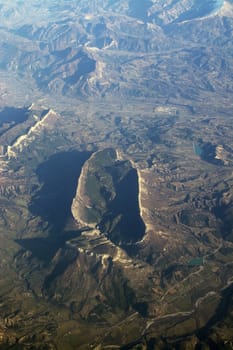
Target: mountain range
{"x":116,"y":186}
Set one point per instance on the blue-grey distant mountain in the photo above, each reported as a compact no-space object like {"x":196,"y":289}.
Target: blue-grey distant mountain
{"x":96,"y":50}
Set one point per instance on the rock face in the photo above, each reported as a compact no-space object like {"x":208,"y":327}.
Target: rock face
{"x":107,"y":197}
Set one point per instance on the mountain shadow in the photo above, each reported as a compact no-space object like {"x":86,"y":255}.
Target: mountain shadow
{"x":13,"y":115}
{"x":139,"y":9}
{"x":44,"y":248}
{"x":58,"y":176}
{"x":123,"y":220}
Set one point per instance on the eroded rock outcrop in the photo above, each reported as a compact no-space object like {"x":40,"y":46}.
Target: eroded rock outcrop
{"x":107,"y":197}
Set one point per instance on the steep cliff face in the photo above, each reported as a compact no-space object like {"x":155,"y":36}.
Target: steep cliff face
{"x":107,"y":197}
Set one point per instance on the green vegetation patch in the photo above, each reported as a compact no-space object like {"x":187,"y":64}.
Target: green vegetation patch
{"x":196,"y":262}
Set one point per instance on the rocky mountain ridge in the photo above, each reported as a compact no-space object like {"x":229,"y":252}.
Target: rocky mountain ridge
{"x":107,"y":197}
{"x":113,"y":44}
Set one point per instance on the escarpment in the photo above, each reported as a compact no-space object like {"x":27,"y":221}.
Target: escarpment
{"x":107,"y":197}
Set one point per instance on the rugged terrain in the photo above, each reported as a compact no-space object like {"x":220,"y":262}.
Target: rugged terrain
{"x":116,"y":175}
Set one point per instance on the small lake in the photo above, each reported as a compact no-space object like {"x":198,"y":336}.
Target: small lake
{"x":197,"y":149}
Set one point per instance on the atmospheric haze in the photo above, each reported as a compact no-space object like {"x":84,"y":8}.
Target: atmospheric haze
{"x":116,"y":185}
